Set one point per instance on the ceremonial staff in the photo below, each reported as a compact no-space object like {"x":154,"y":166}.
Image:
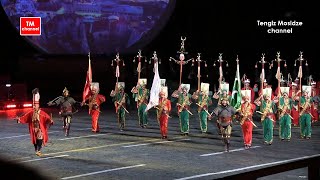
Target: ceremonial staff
{"x":278,"y":74}
{"x":117,"y":60}
{"x":262,"y":76}
{"x":199,"y":67}
{"x":181,"y":60}
{"x":155,"y":59}
{"x":220,"y":61}
{"x":300,"y":68}
{"x":139,"y":57}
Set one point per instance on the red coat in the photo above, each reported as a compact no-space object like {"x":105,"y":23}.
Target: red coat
{"x":252,"y":93}
{"x":45,"y":119}
{"x":99,"y":100}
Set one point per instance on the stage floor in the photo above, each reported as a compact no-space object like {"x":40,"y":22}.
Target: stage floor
{"x":138,"y":153}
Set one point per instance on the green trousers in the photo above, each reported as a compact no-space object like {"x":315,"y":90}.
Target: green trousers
{"x":267,"y":125}
{"x":184,"y":121}
{"x":121,"y":118}
{"x":203,"y":117}
{"x":305,"y":125}
{"x":285,"y":127}
{"x":143,"y":115}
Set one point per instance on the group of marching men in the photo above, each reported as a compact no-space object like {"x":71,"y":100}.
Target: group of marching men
{"x":289,"y":105}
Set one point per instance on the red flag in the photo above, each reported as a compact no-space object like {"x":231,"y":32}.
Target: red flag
{"x":87,"y":86}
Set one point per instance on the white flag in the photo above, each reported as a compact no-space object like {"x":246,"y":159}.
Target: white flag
{"x":155,"y":89}
{"x":300,"y":72}
{"x":262,"y":75}
{"x":278,"y":74}
{"x":117,"y":71}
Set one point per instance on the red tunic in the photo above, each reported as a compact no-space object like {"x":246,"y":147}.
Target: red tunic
{"x":95,"y":113}
{"x":247,"y":126}
{"x":163,"y":117}
{"x":45,"y":119}
{"x":314,"y":108}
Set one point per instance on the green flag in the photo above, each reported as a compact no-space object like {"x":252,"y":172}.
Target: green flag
{"x":236,"y":90}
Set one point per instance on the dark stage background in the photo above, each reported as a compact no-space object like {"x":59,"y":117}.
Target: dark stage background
{"x":211,"y":27}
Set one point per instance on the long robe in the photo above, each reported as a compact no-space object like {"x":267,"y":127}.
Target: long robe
{"x":44,"y":118}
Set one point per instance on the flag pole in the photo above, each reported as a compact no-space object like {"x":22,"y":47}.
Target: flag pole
{"x":181,"y":60}
{"x":139,"y":57}
{"x":278,"y":74}
{"x":199,"y":69}
{"x":156,"y":84}
{"x":262,"y":76}
{"x":220,"y":60}
{"x":118,"y":60}
{"x":300,"y":59}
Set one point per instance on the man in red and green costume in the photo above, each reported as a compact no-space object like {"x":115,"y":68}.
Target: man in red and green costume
{"x":284,"y":110}
{"x":141,"y":93}
{"x":183,"y":105}
{"x":163,"y":111}
{"x":121,"y":102}
{"x":305,"y":113}
{"x":203,"y":102}
{"x":267,"y":110}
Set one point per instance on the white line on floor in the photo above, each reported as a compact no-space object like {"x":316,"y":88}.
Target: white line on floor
{"x":104,"y":171}
{"x":40,"y":159}
{"x":233,"y":150}
{"x":78,"y":137}
{"x":144,"y":144}
{"x":248,"y":167}
{"x":9,"y":137}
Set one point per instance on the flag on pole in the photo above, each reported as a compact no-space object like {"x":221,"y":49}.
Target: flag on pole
{"x":155,"y":89}
{"x":87,"y":86}
{"x":220,"y":72}
{"x":300,"y":72}
{"x":262,"y":75}
{"x":278,"y":74}
{"x":236,"y":91}
{"x":117,"y":71}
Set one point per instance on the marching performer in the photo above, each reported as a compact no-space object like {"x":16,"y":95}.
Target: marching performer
{"x":121,"y":101}
{"x":224,"y":112}
{"x":294,"y":94}
{"x":94,"y":101}
{"x":246,"y":112}
{"x":247,"y":87}
{"x":223,"y":93}
{"x":315,"y":104}
{"x":183,"y":105}
{"x":163,"y":111}
{"x":267,"y":111}
{"x":284,"y":110}
{"x":305,"y":119}
{"x":203,"y":101}
{"x":38,"y":122}
{"x":66,"y":104}
{"x":142,"y":94}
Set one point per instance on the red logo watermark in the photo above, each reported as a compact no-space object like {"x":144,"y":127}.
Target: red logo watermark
{"x":30,"y":26}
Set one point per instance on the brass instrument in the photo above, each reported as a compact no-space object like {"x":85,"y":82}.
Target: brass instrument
{"x":266,"y":111}
{"x":92,"y":101}
{"x":284,"y":108}
{"x":203,"y":103}
{"x":160,"y":108}
{"x":305,"y":107}
{"x":141,"y":98}
{"x":120,"y":103}
{"x":182,"y":106}
{"x":245,"y":113}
